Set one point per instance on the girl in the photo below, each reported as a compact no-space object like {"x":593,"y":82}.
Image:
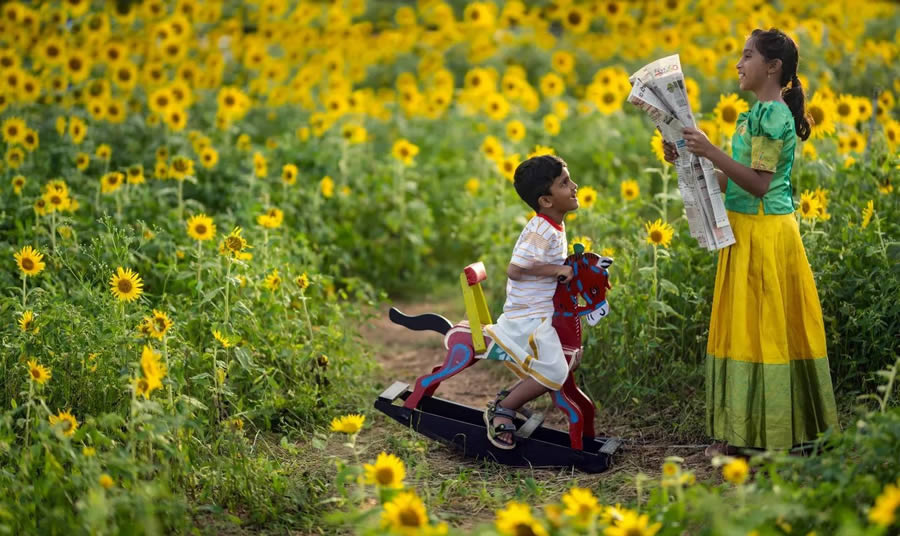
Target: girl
{"x":768,"y":384}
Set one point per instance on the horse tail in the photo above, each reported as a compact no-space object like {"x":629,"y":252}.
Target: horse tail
{"x":425,"y":322}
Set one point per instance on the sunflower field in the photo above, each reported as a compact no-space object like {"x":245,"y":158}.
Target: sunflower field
{"x":201,"y":201}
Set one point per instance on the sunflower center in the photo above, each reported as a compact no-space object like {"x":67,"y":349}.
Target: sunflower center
{"x":410,"y":518}
{"x":234,"y":243}
{"x":142,"y":385}
{"x":67,"y":425}
{"x":656,"y":236}
{"x":817,"y":114}
{"x":729,"y":114}
{"x":35,"y":373}
{"x":200,"y":229}
{"x":523,"y":529}
{"x":75,"y":64}
{"x":27,"y":263}
{"x":575,"y":18}
{"x":843,"y":109}
{"x":160,"y":323}
{"x":384,"y":476}
{"x":608,"y":98}
{"x":124,"y":286}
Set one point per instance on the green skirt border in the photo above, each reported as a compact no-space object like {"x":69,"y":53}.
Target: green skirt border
{"x":771,"y":406}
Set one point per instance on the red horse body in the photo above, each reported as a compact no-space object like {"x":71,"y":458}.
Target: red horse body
{"x":590,"y":282}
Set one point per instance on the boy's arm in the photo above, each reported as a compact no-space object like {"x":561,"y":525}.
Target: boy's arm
{"x":516,"y":272}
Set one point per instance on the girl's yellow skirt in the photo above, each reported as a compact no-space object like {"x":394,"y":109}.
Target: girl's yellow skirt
{"x":768,"y":384}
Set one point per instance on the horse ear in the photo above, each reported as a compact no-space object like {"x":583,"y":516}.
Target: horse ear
{"x":578,"y":248}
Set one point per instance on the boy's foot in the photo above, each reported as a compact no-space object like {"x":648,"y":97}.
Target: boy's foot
{"x":721,"y":448}
{"x":499,"y":424}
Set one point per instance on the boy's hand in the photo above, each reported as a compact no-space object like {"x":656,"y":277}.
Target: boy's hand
{"x":564,"y":273}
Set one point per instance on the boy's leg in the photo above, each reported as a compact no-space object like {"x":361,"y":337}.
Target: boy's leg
{"x":524,"y":391}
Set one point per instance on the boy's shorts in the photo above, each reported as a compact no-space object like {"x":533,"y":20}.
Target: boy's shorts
{"x":534,"y":347}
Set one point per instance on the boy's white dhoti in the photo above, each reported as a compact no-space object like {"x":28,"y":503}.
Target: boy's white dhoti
{"x":534,"y":347}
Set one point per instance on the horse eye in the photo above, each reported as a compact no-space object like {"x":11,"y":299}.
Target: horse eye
{"x":594,"y":290}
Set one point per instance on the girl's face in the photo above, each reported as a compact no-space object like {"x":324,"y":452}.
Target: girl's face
{"x":752,"y":68}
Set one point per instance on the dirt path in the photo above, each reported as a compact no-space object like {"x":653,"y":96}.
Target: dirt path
{"x":466,"y":492}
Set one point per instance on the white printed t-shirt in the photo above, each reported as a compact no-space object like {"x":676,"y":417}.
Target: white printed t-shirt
{"x":543,"y":241}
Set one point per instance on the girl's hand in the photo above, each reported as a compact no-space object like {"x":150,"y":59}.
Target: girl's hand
{"x":697,"y":142}
{"x":670,"y":153}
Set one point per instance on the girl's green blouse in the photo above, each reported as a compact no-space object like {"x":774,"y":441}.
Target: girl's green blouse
{"x":764,"y":139}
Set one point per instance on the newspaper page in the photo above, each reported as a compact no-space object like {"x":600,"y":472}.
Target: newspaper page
{"x":658,"y":89}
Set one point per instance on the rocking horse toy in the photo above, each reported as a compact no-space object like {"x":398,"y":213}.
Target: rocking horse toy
{"x":463,"y":426}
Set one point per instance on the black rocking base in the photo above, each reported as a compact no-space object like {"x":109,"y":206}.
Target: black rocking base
{"x":462,"y":427}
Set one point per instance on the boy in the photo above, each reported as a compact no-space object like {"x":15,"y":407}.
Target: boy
{"x":524,"y":330}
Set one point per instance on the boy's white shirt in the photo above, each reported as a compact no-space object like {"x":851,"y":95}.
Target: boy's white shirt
{"x":539,"y":243}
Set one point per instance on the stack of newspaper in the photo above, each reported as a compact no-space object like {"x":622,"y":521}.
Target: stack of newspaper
{"x":658,"y":89}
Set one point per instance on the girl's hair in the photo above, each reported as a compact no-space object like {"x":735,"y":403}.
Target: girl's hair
{"x":776,"y":45}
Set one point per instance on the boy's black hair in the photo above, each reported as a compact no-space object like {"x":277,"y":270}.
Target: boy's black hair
{"x":534,"y":176}
{"x":774,"y":44}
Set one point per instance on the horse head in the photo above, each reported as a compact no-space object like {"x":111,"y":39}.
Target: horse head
{"x":590,"y":281}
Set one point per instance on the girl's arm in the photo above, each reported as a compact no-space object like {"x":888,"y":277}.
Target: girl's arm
{"x":723,"y":180}
{"x":753,"y":181}
{"x":671,"y":154}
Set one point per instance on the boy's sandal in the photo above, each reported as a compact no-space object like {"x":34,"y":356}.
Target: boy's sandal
{"x":494,"y":431}
{"x":533,"y":419}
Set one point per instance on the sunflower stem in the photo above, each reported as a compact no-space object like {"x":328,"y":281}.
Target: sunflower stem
{"x":180,"y":199}
{"x":169,"y":370}
{"x":199,"y":255}
{"x":654,"y":289}
{"x":308,"y":320}
{"x":131,"y":423}
{"x":24,"y":293}
{"x":28,"y":413}
{"x":53,"y":231}
{"x":215,"y":378}
{"x":227,"y":285}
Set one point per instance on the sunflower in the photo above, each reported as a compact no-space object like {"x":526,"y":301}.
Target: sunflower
{"x":112,"y":181}
{"x":103,"y":152}
{"x":563,"y":62}
{"x":201,"y":227}
{"x":508,"y":166}
{"x":159,"y":324}
{"x":515,"y":130}
{"x":30,"y":261}
{"x":496,"y":106}
{"x":809,"y":205}
{"x":576,"y":19}
{"x":271,"y":219}
{"x":632,"y":524}
{"x":727,"y":111}
{"x":18,"y":182}
{"x":126,"y":285}
{"x":845,"y":110}
{"x":273,"y":281}
{"x":56,"y":200}
{"x":659,"y":233}
{"x":405,"y":513}
{"x":736,"y":471}
{"x":13,"y":130}
{"x":517,"y":519}
{"x":77,"y":130}
{"x":892,"y":133}
{"x":82,"y":161}
{"x":181,"y":168}
{"x":657,"y":146}
{"x":348,"y":424}
{"x":15,"y":157}
{"x":233,"y":244}
{"x":551,"y":124}
{"x":38,"y":373}
{"x":884,"y":511}
{"x":387,"y":472}
{"x":821,"y":110}
{"x":630,"y":190}
{"x":289,"y":174}
{"x":326,"y":186}
{"x":867,"y":214}
{"x":77,"y":66}
{"x":209,"y":157}
{"x":492,"y":148}
{"x":66,"y":421}
{"x":302,"y":281}
{"x":225,"y":340}
{"x":581,"y":506}
{"x":587,"y":196}
{"x":106,"y":481}
{"x":607,"y":99}
{"x":404,"y":151}
{"x":154,"y":370}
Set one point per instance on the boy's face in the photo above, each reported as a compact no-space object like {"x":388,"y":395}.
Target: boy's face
{"x":563,"y":194}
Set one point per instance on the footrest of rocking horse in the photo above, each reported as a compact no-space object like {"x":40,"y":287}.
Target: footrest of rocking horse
{"x":394,"y":391}
{"x":535,"y":420}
